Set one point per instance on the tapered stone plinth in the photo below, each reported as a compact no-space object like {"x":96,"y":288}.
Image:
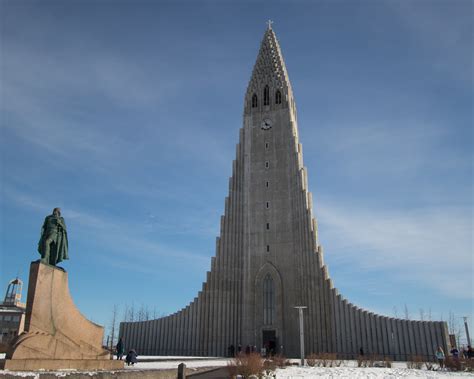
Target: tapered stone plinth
{"x":57,"y":335}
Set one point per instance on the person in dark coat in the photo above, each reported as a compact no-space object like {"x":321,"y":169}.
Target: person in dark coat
{"x":119,"y":348}
{"x":131,"y":357}
{"x":470,"y":352}
{"x":455,"y":352}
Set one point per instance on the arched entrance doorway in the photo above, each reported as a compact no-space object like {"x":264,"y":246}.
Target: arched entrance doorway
{"x":268,"y":309}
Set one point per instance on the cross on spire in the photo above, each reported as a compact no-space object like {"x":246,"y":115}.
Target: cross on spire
{"x":269,"y":22}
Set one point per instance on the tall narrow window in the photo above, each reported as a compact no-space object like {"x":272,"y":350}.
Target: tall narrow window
{"x":266,"y":96}
{"x":267,"y":164}
{"x":266,"y":145}
{"x":268,"y":226}
{"x":268,"y":300}
{"x":254,"y":101}
{"x":268,"y":205}
{"x":268,"y":248}
{"x":278,"y":97}
{"x":267,"y":184}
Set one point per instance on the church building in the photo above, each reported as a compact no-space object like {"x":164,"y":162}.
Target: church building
{"x":268,"y":258}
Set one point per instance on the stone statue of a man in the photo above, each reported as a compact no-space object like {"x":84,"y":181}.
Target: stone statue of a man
{"x":53,"y":245}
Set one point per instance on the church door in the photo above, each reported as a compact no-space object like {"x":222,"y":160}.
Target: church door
{"x":269,"y":341}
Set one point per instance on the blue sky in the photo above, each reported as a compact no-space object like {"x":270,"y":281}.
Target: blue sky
{"x":126,"y":115}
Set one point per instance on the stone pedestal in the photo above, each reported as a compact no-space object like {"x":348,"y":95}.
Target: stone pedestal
{"x":56,"y":334}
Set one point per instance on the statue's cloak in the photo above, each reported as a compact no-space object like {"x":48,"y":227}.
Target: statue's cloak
{"x":58,"y":249}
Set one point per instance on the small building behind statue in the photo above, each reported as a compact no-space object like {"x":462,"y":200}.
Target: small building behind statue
{"x":12,"y":314}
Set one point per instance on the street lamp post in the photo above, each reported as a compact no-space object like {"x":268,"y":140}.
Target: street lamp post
{"x":300,"y":312}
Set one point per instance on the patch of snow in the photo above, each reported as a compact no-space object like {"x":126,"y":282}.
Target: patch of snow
{"x":20,"y":374}
{"x":352,"y":372}
{"x":348,"y":369}
{"x":163,"y":365}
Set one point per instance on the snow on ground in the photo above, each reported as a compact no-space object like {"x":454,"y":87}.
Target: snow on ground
{"x":359,"y":373}
{"x":348,"y":370}
{"x":170,"y":364}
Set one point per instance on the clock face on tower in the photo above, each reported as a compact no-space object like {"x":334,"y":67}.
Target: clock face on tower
{"x":266,"y":124}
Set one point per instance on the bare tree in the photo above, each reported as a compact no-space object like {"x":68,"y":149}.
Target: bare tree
{"x":407,"y":315}
{"x":125,"y":313}
{"x":395,"y":311}
{"x":451,"y":323}
{"x":143,"y":313}
{"x":454,"y":327}
{"x":131,"y":313}
{"x":429,"y":314}
{"x":113,"y":326}
{"x":422,"y":314}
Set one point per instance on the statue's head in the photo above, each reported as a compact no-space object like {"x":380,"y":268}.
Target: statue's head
{"x":57,"y":212}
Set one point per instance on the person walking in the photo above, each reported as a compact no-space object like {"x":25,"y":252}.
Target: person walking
{"x":119,"y":348}
{"x":440,"y":356}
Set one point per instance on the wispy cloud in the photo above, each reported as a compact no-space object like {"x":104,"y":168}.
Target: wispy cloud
{"x":52,"y":106}
{"x":400,"y":145}
{"x":430,"y":246}
{"x":115,"y":235}
{"x":52,"y":98}
{"x":447,"y":45}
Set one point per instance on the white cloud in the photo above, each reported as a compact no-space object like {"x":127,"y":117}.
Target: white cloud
{"x":432,"y":246}
{"x":402,"y":146}
{"x":117,"y":235}
{"x":444,"y":32}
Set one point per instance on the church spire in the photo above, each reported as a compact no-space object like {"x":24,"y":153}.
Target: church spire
{"x":269,"y":71}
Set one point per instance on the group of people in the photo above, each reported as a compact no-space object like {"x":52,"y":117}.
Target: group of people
{"x":466,"y":354}
{"x":440,"y":356}
{"x":233,"y":351}
{"x":131,"y":358}
{"x":268,"y":349}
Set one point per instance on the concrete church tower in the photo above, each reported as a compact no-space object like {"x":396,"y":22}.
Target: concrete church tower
{"x":268,"y":259}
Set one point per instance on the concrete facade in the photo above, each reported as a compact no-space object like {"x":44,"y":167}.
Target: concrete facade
{"x":268,"y":258}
